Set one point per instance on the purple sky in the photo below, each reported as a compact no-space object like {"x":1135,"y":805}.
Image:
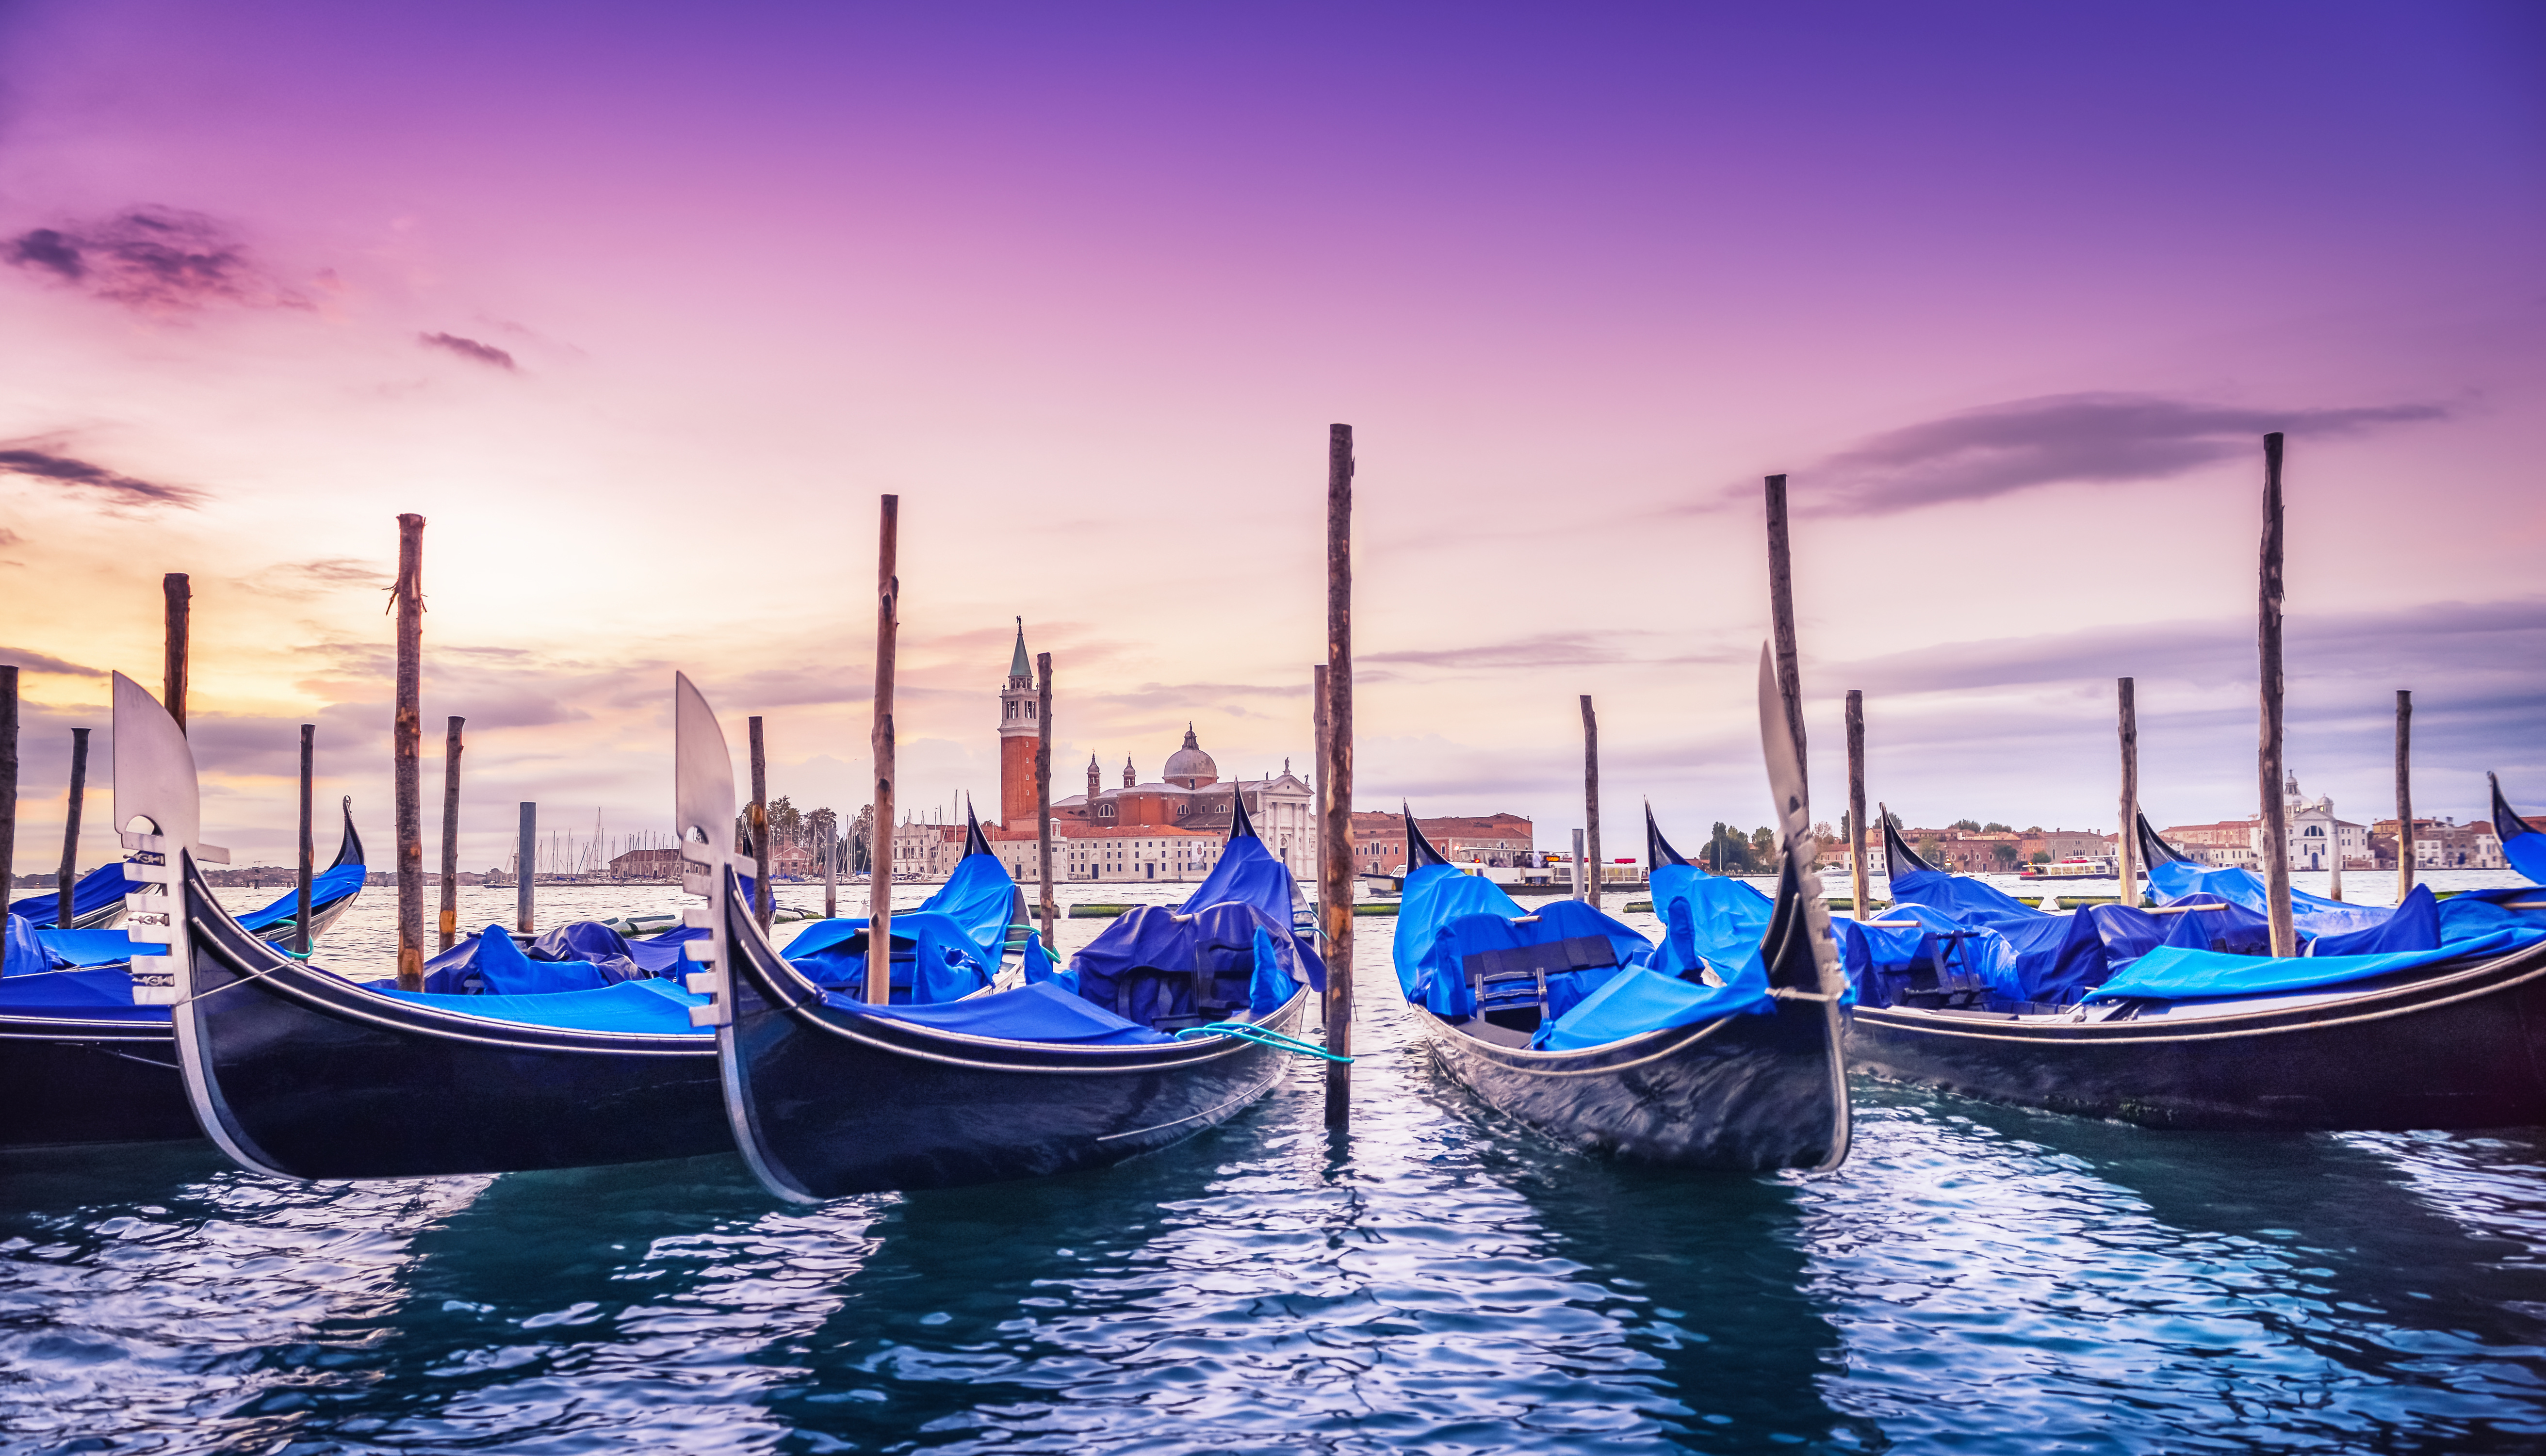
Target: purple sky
{"x":642,"y":306}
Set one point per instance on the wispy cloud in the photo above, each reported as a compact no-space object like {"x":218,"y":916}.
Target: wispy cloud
{"x":150,"y":259}
{"x":1548,"y":650}
{"x":26,"y":661}
{"x":468,"y":349}
{"x":2062,"y":440}
{"x":116,"y":487}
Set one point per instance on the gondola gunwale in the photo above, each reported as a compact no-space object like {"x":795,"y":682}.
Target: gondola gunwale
{"x":791,"y":993}
{"x":302,"y":981}
{"x":2526,"y":965}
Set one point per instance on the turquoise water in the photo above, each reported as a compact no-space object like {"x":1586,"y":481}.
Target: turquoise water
{"x":1975,"y":1280}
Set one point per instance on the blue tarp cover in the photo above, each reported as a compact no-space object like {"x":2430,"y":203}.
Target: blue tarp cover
{"x":1910,"y":937}
{"x":94,"y":947}
{"x":648,"y":1006}
{"x":2056,"y":955}
{"x":660,"y":954}
{"x":1708,"y":917}
{"x":324,"y":887}
{"x":2129,"y":933}
{"x":93,"y":995}
{"x":2172,"y":973}
{"x":1445,"y":991}
{"x":1245,"y":873}
{"x":23,"y":952}
{"x":1435,"y":895}
{"x":90,"y":893}
{"x":2527,"y":853}
{"x":935,"y":958}
{"x":1635,"y":1001}
{"x":958,"y":937}
{"x":2413,"y":924}
{"x":2311,"y":915}
{"x":503,"y":970}
{"x":1154,"y":963}
{"x":1037,"y":1013}
{"x":2475,"y":912}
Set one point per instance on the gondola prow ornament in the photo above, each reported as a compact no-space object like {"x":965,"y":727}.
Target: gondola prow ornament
{"x":158,"y":808}
{"x":703,"y":799}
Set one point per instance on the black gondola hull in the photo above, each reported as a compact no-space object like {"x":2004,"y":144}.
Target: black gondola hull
{"x":299,"y":1073}
{"x":829,"y":1102}
{"x":1739,"y":1092}
{"x":65,"y":1083}
{"x":2466,"y":1049}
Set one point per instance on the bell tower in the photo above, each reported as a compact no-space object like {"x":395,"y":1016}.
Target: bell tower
{"x":1019,"y":735}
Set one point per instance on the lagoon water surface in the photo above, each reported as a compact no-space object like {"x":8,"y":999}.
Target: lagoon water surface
{"x":1977,"y":1279}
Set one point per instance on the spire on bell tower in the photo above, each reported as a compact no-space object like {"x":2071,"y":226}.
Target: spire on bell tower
{"x":1019,"y":730}
{"x":1128,"y":778}
{"x":1095,"y":782}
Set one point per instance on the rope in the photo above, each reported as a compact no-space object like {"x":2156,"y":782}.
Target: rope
{"x":1248,"y":1031}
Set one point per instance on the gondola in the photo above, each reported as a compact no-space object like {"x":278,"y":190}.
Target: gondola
{"x":1759,"y":1086}
{"x":829,"y":1096}
{"x":298,"y":1072}
{"x":79,"y":1061}
{"x":2448,"y":1037}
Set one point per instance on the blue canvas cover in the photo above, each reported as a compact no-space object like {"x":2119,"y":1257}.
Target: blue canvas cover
{"x":2473,"y":912}
{"x":23,"y":952}
{"x":1442,"y":986}
{"x":934,"y":956}
{"x":2056,"y":955}
{"x":88,"y":994}
{"x":492,"y":961}
{"x":327,"y":886}
{"x":2129,"y":933}
{"x":1435,"y":895}
{"x":588,"y":941}
{"x":1708,"y":921}
{"x":1041,"y":1012}
{"x":92,"y":947}
{"x":2173,"y":973}
{"x":1154,"y":964}
{"x":1882,"y":956}
{"x":648,"y":1007}
{"x":2311,"y":915}
{"x":1247,"y":874}
{"x":2414,"y":924}
{"x":660,"y":954}
{"x":90,"y":893}
{"x":1637,"y":1000}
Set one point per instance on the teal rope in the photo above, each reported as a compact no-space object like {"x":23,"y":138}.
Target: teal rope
{"x":1249,"y":1031}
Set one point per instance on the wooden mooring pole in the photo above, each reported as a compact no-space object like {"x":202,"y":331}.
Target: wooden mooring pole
{"x":880,"y":877}
{"x":8,"y":781}
{"x":1860,"y":878}
{"x":406,"y":753}
{"x":832,"y":843}
{"x":1781,"y":618}
{"x":309,"y":858}
{"x":763,"y":907}
{"x":2127,"y":843}
{"x":1334,"y":775}
{"x":1591,"y":797}
{"x":1319,"y":727}
{"x":179,"y":596}
{"x":526,"y":854}
{"x":62,"y":918}
{"x":2404,"y":794}
{"x":2267,"y":756}
{"x":450,"y":747}
{"x":1051,"y":905}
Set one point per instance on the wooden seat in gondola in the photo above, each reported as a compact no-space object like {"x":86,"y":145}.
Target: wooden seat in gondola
{"x":1946,"y":981}
{"x":1509,"y":984}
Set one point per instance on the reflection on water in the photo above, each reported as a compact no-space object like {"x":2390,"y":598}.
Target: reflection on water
{"x":1979,"y":1279}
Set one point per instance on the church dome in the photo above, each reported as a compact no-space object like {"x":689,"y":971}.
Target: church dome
{"x":1189,"y":767}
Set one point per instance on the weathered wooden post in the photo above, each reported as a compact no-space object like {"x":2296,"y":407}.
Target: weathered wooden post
{"x":2268,"y":758}
{"x":309,"y":850}
{"x":406,"y":753}
{"x":763,"y":909}
{"x":1591,"y":796}
{"x":62,"y":917}
{"x":2404,"y":794}
{"x":179,"y":596}
{"x":1860,"y":880}
{"x":831,"y":843}
{"x":1581,"y":875}
{"x":450,"y":746}
{"x":2127,"y":862}
{"x":1335,"y":774}
{"x":880,"y":878}
{"x":1319,"y":727}
{"x":527,"y":853}
{"x":8,"y":781}
{"x":1781,"y":617}
{"x":1043,"y":801}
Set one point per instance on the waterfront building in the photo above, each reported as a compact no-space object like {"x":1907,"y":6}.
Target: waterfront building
{"x":2316,"y":836}
{"x":1497,"y":840}
{"x":2442,"y":843}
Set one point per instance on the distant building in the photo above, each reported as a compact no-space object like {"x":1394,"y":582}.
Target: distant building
{"x":2445,"y":844}
{"x":1497,"y":840}
{"x":647,"y":864}
{"x":2315,"y":837}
